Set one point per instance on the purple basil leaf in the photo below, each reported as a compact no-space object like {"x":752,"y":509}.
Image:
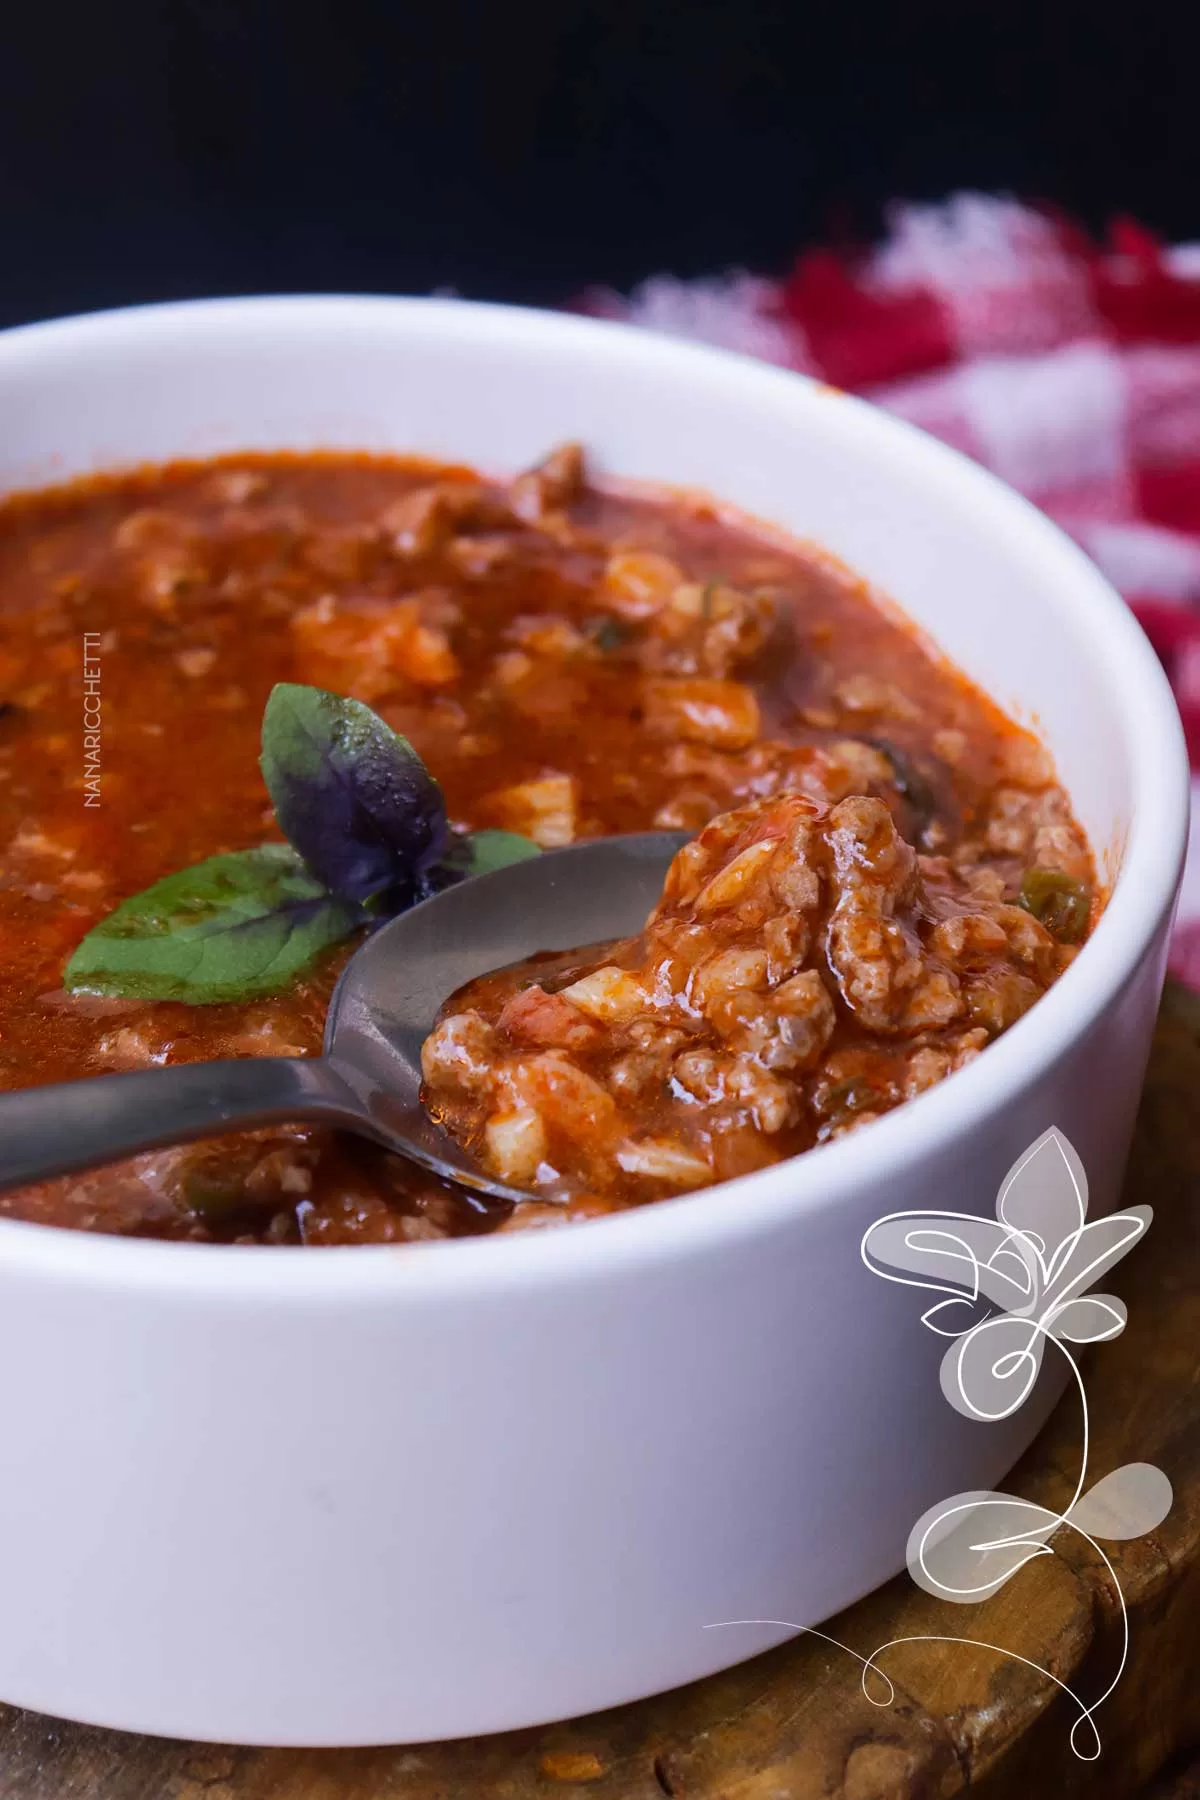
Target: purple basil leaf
{"x":352,"y":796}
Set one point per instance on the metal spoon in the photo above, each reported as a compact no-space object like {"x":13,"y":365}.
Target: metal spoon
{"x":368,"y":1079}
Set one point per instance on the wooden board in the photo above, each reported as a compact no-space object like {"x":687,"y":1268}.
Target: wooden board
{"x":794,"y":1723}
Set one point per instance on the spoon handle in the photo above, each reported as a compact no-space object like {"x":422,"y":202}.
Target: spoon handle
{"x":55,"y":1130}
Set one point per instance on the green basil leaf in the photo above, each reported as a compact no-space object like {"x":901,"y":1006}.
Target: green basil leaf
{"x":228,"y":928}
{"x":352,"y":795}
{"x":488,"y":850}
{"x":1057,"y":901}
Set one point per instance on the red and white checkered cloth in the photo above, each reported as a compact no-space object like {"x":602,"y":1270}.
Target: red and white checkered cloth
{"x":1071,"y":371}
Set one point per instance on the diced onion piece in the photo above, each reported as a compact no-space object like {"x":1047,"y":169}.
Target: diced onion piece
{"x":722,"y":714}
{"x":741,"y":966}
{"x":196,"y":661}
{"x":544,"y":810}
{"x":460,"y":1052}
{"x":424,"y":655}
{"x":865,"y":693}
{"x":665,"y":1159}
{"x":366,"y":643}
{"x":729,"y":884}
{"x":516,"y":1144}
{"x":607,"y":994}
{"x":639,"y":583}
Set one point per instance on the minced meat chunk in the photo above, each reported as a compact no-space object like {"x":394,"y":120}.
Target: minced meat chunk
{"x":803,"y":971}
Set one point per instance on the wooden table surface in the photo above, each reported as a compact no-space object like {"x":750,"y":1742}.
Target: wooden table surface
{"x":794,"y":1724}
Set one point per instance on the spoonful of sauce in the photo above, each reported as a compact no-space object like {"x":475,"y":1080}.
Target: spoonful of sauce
{"x":368,"y":1079}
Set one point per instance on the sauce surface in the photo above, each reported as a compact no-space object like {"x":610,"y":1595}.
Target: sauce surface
{"x":569,"y":662}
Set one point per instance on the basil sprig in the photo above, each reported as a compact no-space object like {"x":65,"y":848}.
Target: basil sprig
{"x":368,"y":837}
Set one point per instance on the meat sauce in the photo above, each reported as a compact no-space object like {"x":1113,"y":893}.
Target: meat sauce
{"x":903,"y":875}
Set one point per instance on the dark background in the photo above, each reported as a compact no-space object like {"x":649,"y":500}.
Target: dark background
{"x":159,"y":148}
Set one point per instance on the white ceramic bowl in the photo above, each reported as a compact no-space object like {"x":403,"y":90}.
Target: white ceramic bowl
{"x":353,"y":1496}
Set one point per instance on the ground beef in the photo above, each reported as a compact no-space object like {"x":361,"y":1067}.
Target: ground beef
{"x":704,"y":1047}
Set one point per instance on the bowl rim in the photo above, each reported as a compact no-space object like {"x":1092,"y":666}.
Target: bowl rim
{"x":678,"y":1228}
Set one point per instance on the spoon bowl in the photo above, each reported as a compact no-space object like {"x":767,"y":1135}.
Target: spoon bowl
{"x":390,"y":993}
{"x":368,"y":1078}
